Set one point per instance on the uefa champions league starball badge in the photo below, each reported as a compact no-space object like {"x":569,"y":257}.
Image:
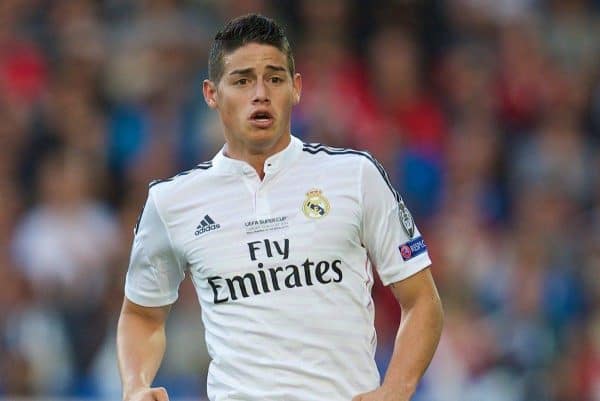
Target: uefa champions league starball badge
{"x":406,"y":219}
{"x":315,"y":205}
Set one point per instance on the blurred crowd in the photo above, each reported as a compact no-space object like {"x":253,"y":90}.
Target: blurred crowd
{"x":486,"y":113}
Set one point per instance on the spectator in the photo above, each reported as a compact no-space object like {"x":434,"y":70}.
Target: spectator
{"x":497,"y":124}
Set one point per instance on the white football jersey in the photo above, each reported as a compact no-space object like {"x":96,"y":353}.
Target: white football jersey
{"x":282,"y":267}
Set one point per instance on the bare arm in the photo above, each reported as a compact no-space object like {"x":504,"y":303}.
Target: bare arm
{"x":140,"y":347}
{"x":416,"y":341}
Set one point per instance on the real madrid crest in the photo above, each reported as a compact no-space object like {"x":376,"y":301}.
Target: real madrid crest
{"x":315,"y":205}
{"x":406,"y":219}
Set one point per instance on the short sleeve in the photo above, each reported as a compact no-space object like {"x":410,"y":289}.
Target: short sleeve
{"x":388,"y":231}
{"x":155,"y":272}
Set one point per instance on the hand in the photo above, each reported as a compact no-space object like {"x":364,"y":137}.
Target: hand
{"x":382,"y":394}
{"x":149,"y":394}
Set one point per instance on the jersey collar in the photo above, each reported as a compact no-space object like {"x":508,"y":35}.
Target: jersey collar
{"x":273,"y":164}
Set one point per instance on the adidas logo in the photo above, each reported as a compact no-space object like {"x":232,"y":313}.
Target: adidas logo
{"x":207,"y":224}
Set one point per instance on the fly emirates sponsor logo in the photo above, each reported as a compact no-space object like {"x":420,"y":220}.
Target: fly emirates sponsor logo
{"x":273,"y":273}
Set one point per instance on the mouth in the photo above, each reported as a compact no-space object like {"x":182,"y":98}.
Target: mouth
{"x":261,"y":119}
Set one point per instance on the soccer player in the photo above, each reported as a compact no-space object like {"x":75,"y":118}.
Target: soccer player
{"x":279,"y":238}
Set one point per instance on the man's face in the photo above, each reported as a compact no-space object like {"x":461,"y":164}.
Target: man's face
{"x":254,"y":98}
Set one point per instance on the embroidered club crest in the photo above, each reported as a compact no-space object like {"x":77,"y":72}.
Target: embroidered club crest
{"x":315,"y":205}
{"x":406,"y":219}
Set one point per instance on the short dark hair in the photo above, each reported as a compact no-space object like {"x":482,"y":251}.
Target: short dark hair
{"x":250,"y":28}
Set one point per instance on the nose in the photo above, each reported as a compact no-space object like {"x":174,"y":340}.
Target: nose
{"x":261,"y":94}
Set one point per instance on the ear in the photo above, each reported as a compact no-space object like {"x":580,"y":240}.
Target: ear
{"x":297,"y":88}
{"x":209,"y":89}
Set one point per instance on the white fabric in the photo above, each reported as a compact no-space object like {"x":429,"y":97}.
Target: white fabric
{"x":286,"y":303}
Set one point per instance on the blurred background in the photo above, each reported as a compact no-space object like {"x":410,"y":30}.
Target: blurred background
{"x":485,"y":112}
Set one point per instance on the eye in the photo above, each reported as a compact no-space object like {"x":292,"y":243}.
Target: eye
{"x":276,"y":80}
{"x":241,"y":81}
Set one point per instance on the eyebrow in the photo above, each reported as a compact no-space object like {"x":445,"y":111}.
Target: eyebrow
{"x":276,"y":68}
{"x":245,"y":71}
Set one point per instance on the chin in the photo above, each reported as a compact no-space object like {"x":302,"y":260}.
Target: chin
{"x":264,"y":138}
{"x":263,"y":133}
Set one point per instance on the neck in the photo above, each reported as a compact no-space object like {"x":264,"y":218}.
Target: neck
{"x":256,"y":157}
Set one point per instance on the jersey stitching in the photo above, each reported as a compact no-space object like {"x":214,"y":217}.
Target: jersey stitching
{"x":155,"y":272}
{"x":201,"y":166}
{"x":137,"y":222}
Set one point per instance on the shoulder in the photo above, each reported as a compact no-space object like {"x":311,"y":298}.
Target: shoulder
{"x":183,"y":183}
{"x":369,"y":169}
{"x":361,"y":158}
{"x":182,"y":177}
{"x":321,"y":151}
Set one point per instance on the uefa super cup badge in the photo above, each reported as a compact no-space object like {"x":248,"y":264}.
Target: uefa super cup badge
{"x":315,"y":205}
